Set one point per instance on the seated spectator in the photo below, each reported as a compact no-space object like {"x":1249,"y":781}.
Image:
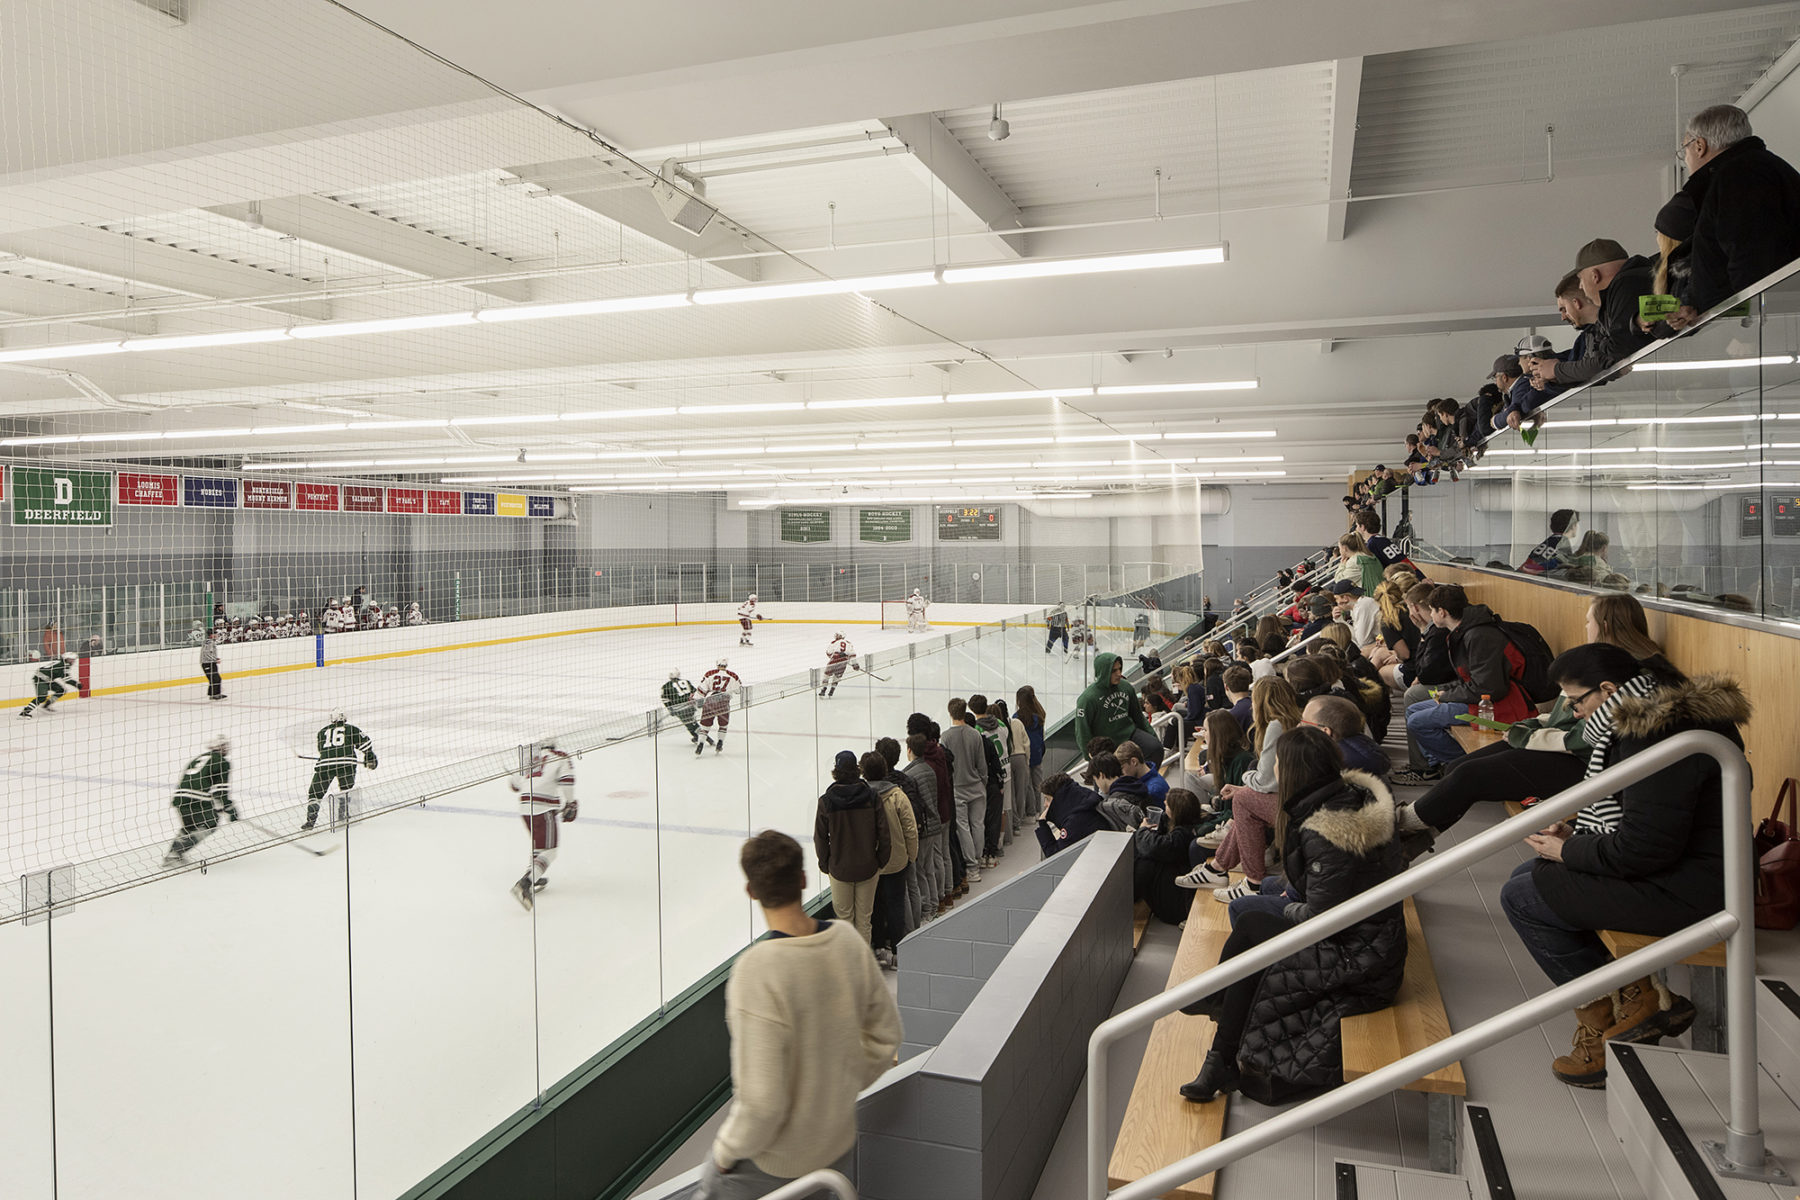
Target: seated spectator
{"x":1613,"y":280}
{"x":1487,"y":664}
{"x":1307,"y":675}
{"x":1252,"y":656}
{"x":1218,"y":760}
{"x":1124,"y":796}
{"x":1589,"y":561}
{"x":1160,"y":850}
{"x":1358,"y":610}
{"x":1071,"y":813}
{"x":1399,"y":636}
{"x":850,"y":837}
{"x":1353,"y":677}
{"x":1358,"y":566}
{"x":1271,"y":630}
{"x":1277,"y":1034}
{"x":1387,"y":552}
{"x":1657,"y":867}
{"x":1344,"y":722}
{"x":1321,"y":607}
{"x":1747,"y":223}
{"x":1237,"y":683}
{"x":1552,"y":556}
{"x":1253,"y":804}
{"x":1132,"y":762}
{"x":1110,"y":707}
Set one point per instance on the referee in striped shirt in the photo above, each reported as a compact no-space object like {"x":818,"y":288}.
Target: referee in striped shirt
{"x":209,"y":663}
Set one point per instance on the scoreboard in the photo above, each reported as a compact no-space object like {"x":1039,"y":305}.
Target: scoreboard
{"x":1784,"y":513}
{"x":968,"y":524}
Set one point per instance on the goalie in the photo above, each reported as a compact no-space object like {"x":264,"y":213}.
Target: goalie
{"x":52,"y":682}
{"x":747,"y":615}
{"x":916,"y":605}
{"x":838,"y":657}
{"x":546,"y":788}
{"x":342,"y":748}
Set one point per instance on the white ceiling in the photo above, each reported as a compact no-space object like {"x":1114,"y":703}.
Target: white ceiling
{"x":361,"y":179}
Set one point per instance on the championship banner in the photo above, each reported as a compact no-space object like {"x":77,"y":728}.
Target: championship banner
{"x":443,"y":504}
{"x":138,"y":488}
{"x":268,"y":493}
{"x":316,"y":497}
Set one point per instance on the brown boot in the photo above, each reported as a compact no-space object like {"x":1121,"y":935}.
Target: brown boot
{"x":1585,"y":1063}
{"x":1638,"y":1010}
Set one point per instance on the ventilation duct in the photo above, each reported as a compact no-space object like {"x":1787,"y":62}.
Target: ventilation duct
{"x":678,"y":194}
{"x":1171,"y":502}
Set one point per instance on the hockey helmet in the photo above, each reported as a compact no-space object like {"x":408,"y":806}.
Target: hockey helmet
{"x":197,"y":623}
{"x":219,"y":742}
{"x":68,"y":659}
{"x":337,"y":715}
{"x":393,"y":609}
{"x":839,"y":635}
{"x":675,"y":674}
{"x":753,"y":597}
{"x":218,"y":622}
{"x":722,"y":662}
{"x":35,"y":656}
{"x":915,"y":591}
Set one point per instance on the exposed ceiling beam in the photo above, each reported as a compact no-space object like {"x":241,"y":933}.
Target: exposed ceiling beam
{"x":938,"y":157}
{"x":86,"y":248}
{"x":1346,"y":96}
{"x":328,"y":223}
{"x":38,"y":298}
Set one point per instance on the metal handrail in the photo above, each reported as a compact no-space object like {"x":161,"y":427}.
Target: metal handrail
{"x":825,"y":1180}
{"x":1735,"y":925}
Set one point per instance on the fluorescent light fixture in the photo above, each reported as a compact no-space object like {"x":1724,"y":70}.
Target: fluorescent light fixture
{"x":516,"y":419}
{"x":716,"y":451}
{"x":209,"y":433}
{"x":843,"y":448}
{"x":329,"y":329}
{"x":980,"y":397}
{"x":277,"y":430}
{"x":1171,"y":389}
{"x":617,"y":414}
{"x":241,"y":337}
{"x":1101,"y":264}
{"x":120,"y":437}
{"x":903,"y":445}
{"x":582,"y":308}
{"x":1110,"y":437}
{"x":880,"y":402}
{"x":701,"y":410}
{"x":66,"y":350}
{"x":1716,"y":364}
{"x":421,"y":423}
{"x":815,"y":287}
{"x":1029,"y":441}
{"x":42,"y":439}
{"x":1218,"y":435}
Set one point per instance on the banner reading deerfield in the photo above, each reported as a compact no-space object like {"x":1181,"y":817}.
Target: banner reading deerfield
{"x":46,"y":497}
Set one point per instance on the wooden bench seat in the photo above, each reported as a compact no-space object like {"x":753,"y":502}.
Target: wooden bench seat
{"x":1472,"y":739}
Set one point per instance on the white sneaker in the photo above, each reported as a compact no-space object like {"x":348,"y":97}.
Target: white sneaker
{"x":1215,"y":839}
{"x":972,"y":877}
{"x":1204,"y":875}
{"x":1407,"y":821}
{"x":1238,"y":890}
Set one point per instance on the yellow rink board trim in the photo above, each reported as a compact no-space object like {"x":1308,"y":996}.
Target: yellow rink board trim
{"x":187,"y":681}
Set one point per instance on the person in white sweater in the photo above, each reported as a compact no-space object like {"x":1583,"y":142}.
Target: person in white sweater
{"x":812,"y":1024}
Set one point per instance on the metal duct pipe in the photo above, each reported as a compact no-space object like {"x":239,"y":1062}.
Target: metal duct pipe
{"x":1171,"y":502}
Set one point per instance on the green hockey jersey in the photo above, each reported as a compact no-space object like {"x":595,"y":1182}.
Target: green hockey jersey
{"x":342,"y":742}
{"x":677,"y":694}
{"x":51,"y":671}
{"x":206,"y":779}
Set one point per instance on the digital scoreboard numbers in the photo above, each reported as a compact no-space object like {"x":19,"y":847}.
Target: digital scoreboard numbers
{"x":964,"y":523}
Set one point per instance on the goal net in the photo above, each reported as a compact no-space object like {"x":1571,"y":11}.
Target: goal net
{"x":893,"y":614}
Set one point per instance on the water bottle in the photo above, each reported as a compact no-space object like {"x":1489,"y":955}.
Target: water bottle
{"x":1485,"y":710}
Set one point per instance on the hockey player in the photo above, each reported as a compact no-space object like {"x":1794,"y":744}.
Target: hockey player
{"x":715,"y":704}
{"x":391,"y":618}
{"x":197,"y":634}
{"x":746,"y":614}
{"x":1078,"y":630}
{"x":546,"y":787}
{"x":209,"y":666}
{"x":1140,"y":632}
{"x":838,"y":657}
{"x":1059,"y":628}
{"x":413,"y":615}
{"x":678,"y":696}
{"x":51,"y":681}
{"x":915,"y":613}
{"x":342,"y":748}
{"x":202,"y":793}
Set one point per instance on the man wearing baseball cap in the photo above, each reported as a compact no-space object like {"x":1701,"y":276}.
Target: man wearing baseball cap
{"x":1361,"y":613}
{"x":1526,"y":397}
{"x":1613,"y":280}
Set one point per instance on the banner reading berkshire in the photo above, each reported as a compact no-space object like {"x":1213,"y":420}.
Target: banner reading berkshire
{"x":48,"y":497}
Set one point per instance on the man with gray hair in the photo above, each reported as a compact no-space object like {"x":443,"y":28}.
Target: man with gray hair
{"x":1748,"y":223}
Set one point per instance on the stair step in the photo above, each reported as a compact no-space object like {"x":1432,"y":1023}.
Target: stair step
{"x":1662,"y":1101}
{"x":1371,"y":1181}
{"x":1481,"y":1159}
{"x":1778,"y":1033}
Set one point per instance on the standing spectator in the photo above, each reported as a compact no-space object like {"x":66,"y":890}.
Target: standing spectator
{"x":934,"y":832}
{"x":209,"y":665}
{"x":1029,"y":710}
{"x":996,"y":750}
{"x":1612,"y":280}
{"x":1552,"y":556}
{"x":1748,"y":220}
{"x":1018,"y":768}
{"x":812,"y":1024}
{"x":53,"y":640}
{"x":968,"y":778}
{"x":924,"y":818}
{"x":888,"y":920}
{"x":850,"y":837}
{"x":1110,"y":708}
{"x":1658,"y":869}
{"x":1508,"y":373}
{"x":933,"y":754}
{"x":1487,"y":664}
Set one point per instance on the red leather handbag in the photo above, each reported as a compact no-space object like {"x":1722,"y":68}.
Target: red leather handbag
{"x":1778,"y":864}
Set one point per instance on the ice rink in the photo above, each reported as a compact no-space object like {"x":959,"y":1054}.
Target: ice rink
{"x":211,"y":1028}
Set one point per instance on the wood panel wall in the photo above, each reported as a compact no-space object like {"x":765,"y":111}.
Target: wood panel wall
{"x":1765,"y":664}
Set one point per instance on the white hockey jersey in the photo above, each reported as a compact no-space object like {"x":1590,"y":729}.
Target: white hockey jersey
{"x":915,"y":604}
{"x":546,"y":783}
{"x":719,"y":681}
{"x":747,"y":610}
{"x":840,"y":650}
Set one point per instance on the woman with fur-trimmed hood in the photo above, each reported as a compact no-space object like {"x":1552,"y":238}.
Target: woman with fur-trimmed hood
{"x":1277,"y":1034}
{"x":1649,"y":860}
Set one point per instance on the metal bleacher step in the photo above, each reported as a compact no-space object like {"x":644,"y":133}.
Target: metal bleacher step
{"x":1665,"y":1103}
{"x":1778,"y":1034}
{"x":1483,"y":1177}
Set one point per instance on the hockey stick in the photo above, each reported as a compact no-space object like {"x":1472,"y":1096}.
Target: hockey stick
{"x":267,"y":832}
{"x":871,"y":674}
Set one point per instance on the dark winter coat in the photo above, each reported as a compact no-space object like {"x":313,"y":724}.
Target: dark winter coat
{"x":1362,"y":753}
{"x":1106,"y":709}
{"x":1748,"y":223}
{"x":1126,"y":799}
{"x":1340,"y":844}
{"x":850,"y":833}
{"x":1488,"y":664}
{"x":1034,"y":734}
{"x":1075,"y":808}
{"x":1663,"y":867}
{"x":939,"y":762}
{"x":1162,"y":857}
{"x":921,"y":793}
{"x":1614,"y":334}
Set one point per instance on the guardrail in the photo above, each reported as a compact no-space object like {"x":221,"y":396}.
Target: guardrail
{"x":1743,"y":1154}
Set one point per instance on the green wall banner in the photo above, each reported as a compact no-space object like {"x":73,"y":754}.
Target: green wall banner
{"x":41,"y":496}
{"x":806,"y":524}
{"x":884,"y":524}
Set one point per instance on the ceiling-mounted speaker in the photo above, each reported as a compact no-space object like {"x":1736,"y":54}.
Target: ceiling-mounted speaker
{"x":678,"y":194}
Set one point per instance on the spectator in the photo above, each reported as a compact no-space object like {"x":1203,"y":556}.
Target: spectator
{"x":1675,"y":245}
{"x":1589,"y":561}
{"x":1110,"y":707}
{"x":1399,"y":634}
{"x":1132,"y":762}
{"x":1237,"y":683}
{"x":996,"y":749}
{"x":934,"y":832}
{"x":1160,"y":856}
{"x":1220,"y":756}
{"x":888,"y":917}
{"x":1212,"y":686}
{"x":1028,"y":710}
{"x":1252,"y":656}
{"x":1320,"y":607}
{"x":1508,"y":373}
{"x":1358,"y":611}
{"x":968,"y":758}
{"x":1123,"y":795}
{"x":1358,"y":565}
{"x":1343,"y":720}
{"x":1417,"y":464}
{"x":1487,"y":664}
{"x":1525,"y":396}
{"x":1271,"y":634}
{"x":1018,"y":770}
{"x":1071,"y":813}
{"x":1253,"y":804}
{"x":933,"y":755}
{"x":1613,"y":280}
{"x":1277,"y":1030}
{"x":1552,"y":555}
{"x":924,"y":813}
{"x":1747,"y":223}
{"x":53,"y":641}
{"x":812,"y":1024}
{"x":1659,"y":868}
{"x":1386,"y":551}
{"x":850,"y":837}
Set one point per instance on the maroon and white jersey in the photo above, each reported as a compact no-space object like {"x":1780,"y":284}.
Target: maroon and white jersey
{"x":719,"y":681}
{"x":546,"y":784}
{"x":840,"y":650}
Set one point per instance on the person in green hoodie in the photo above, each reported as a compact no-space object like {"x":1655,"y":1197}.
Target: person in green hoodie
{"x":1110,"y":708}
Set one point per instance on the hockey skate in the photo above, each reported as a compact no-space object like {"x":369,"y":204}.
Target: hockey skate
{"x":719,"y":745}
{"x":174,"y":858}
{"x":700,"y":744}
{"x":541,"y":884}
{"x":523,"y":892}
